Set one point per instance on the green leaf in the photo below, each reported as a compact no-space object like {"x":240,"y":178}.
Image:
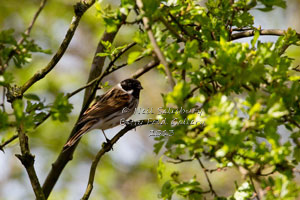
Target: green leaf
{"x":297,"y":154}
{"x":32,"y":96}
{"x":160,"y":168}
{"x":166,"y":191}
{"x":61,"y":108}
{"x":158,"y":146}
{"x":133,"y":56}
{"x":6,"y":79}
{"x":103,"y":54}
{"x":3,"y":120}
{"x":18,"y":110}
{"x":255,"y":38}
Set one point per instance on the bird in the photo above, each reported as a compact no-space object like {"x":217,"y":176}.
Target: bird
{"x":117,"y":103}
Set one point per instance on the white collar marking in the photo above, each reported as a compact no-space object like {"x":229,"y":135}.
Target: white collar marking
{"x":120,"y":87}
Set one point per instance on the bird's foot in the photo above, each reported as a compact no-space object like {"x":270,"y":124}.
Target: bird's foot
{"x":108,"y":142}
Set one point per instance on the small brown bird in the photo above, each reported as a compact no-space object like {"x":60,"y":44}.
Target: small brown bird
{"x":109,"y":109}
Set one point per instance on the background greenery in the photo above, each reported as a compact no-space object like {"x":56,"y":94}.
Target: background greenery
{"x":249,"y":90}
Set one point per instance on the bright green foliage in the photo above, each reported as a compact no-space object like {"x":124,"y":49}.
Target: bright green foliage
{"x":20,"y":53}
{"x":61,"y":108}
{"x":190,"y":190}
{"x":245,"y":92}
{"x":3,"y":120}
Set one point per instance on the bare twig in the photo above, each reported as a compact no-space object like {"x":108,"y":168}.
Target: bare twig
{"x":106,"y":148}
{"x":156,"y":48}
{"x":250,"y":33}
{"x":28,"y":30}
{"x":180,"y":160}
{"x":12,"y":138}
{"x":145,"y":69}
{"x":296,"y":68}
{"x":207,"y":177}
{"x":252,"y":183}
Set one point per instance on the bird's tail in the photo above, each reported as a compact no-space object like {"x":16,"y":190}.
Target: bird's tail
{"x":77,"y":135}
{"x":73,"y":139}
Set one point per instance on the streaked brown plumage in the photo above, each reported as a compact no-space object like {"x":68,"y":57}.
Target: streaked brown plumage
{"x":107,"y":111}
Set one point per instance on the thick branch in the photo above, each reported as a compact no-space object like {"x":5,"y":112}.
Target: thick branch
{"x":79,"y":8}
{"x":249,"y":33}
{"x":27,"y":160}
{"x":106,"y":148}
{"x":156,"y":48}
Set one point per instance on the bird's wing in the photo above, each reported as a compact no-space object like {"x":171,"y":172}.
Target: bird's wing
{"x":111,"y":102}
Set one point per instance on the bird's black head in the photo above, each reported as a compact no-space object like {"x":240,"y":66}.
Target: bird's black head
{"x":132,"y":85}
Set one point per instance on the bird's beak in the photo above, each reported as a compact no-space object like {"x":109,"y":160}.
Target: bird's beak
{"x":140,"y":87}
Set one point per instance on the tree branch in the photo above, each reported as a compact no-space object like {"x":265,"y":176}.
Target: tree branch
{"x":106,"y":148}
{"x":12,"y":138}
{"x":255,"y":192}
{"x":27,"y":159}
{"x":206,"y":176}
{"x":250,"y":33}
{"x":145,"y":69}
{"x":28,"y":30}
{"x":156,"y":48}
{"x":79,"y":10}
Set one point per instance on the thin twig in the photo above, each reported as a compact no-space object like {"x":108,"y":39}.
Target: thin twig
{"x":145,"y":69}
{"x":28,"y":30}
{"x":250,"y":33}
{"x":12,"y":138}
{"x":252,"y":183}
{"x":156,"y":48}
{"x":180,"y":160}
{"x":207,"y":177}
{"x":106,"y":148}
